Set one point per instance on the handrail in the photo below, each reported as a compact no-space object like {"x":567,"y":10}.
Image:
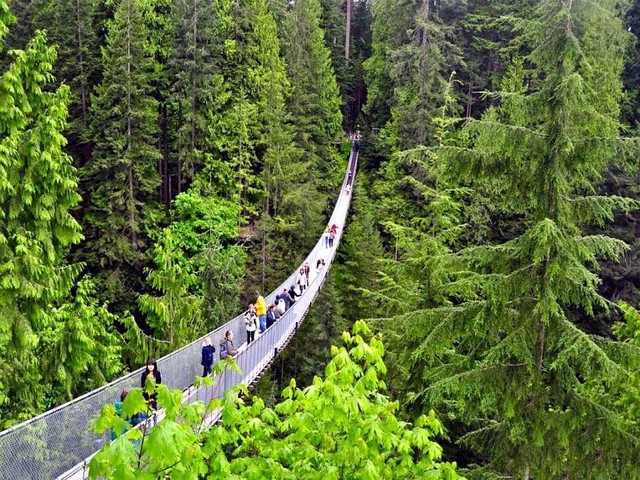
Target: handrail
{"x":38,"y":448}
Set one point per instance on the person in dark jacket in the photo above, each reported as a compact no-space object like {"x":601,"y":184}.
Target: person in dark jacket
{"x":288,"y":301}
{"x":293,"y":294}
{"x":151,"y":374}
{"x":271,"y":315}
{"x":207,"y":356}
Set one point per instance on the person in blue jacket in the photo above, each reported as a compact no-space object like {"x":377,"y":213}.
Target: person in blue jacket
{"x":207,"y":356}
{"x":271,"y":315}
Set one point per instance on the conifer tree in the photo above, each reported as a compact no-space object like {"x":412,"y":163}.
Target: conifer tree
{"x":333,"y":23}
{"x":83,"y":350}
{"x":122,"y":175}
{"x":199,"y":92}
{"x":408,"y":74}
{"x":175,"y":315}
{"x":37,"y":189}
{"x":72,"y":28}
{"x":314,"y":103}
{"x":504,"y":352}
{"x":359,"y":262}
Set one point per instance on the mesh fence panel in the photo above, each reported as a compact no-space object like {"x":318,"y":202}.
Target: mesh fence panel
{"x":56,"y":443}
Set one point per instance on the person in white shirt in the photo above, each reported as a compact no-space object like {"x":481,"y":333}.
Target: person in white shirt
{"x":251,"y":323}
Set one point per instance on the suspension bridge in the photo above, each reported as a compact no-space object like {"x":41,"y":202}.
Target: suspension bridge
{"x":58,"y":444}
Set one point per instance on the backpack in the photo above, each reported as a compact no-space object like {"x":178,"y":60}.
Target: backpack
{"x":223,"y":350}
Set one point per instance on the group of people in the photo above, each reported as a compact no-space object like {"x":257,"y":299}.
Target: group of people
{"x":259,"y":317}
{"x":149,"y":382}
{"x":330,"y":233}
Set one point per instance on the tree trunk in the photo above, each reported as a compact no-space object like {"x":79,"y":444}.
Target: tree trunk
{"x":470,"y":98}
{"x":83,"y":85}
{"x":423,"y":39}
{"x":132,"y":214}
{"x":347,"y":39}
{"x":166,"y":178}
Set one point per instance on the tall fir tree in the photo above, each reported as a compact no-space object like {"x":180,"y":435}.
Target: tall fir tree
{"x":73,"y":28}
{"x":199,"y":93}
{"x":503,"y":353}
{"x":37,"y":190}
{"x":315,"y":102}
{"x":174,"y":316}
{"x":122,"y":176}
{"x":408,"y":73}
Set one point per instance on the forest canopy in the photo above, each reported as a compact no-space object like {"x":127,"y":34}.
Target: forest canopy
{"x":160,"y":160}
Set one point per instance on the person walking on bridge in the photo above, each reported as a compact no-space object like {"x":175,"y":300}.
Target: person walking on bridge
{"x":286,"y":298}
{"x":271,"y":315}
{"x":301,"y":281}
{"x":261,"y":311}
{"x":151,"y":376}
{"x":251,"y":323}
{"x":227,"y":348}
{"x":293,"y":294}
{"x":207,"y":356}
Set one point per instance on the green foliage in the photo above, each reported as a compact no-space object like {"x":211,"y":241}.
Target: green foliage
{"x":123,"y":205}
{"x":323,"y":327}
{"x":198,"y":93}
{"x":359,"y":261}
{"x":37,"y":190}
{"x":502,"y":350}
{"x":221,"y":276}
{"x":628,"y":331}
{"x":73,"y":28}
{"x":199,"y":221}
{"x":408,"y":70}
{"x":340,"y":427}
{"x":82,"y":349}
{"x":314,"y":103}
{"x":203,"y":228}
{"x":175,"y":315}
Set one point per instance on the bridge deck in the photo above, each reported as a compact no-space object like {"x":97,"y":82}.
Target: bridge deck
{"x":58,"y":443}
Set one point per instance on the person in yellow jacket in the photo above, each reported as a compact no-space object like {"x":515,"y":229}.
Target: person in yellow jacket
{"x":261,"y":311}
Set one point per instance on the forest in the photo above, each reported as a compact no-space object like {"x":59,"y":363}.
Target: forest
{"x":160,"y":160}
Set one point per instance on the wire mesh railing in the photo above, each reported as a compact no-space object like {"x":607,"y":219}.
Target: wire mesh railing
{"x":57,"y":443}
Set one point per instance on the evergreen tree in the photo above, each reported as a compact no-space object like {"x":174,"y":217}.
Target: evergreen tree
{"x":314,"y":103}
{"x":83,"y":350}
{"x":333,"y":23}
{"x":175,"y":315}
{"x":122,"y":175}
{"x":408,"y":74}
{"x":72,"y":27}
{"x":199,"y":92}
{"x":504,"y":352}
{"x":324,"y":325}
{"x":37,"y":190}
{"x":199,"y":270}
{"x":359,"y":262}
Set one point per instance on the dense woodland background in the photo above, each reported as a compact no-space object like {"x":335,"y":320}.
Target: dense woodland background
{"x":161,"y":159}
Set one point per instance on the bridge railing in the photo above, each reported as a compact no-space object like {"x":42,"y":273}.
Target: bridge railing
{"x":57,"y":443}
